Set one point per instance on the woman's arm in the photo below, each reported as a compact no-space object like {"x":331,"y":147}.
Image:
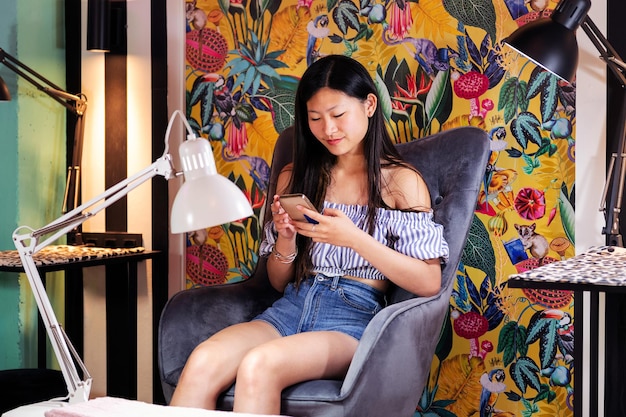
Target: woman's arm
{"x":420,"y":277}
{"x":279,"y":270}
{"x":406,"y":189}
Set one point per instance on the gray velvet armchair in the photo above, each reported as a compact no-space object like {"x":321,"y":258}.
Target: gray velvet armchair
{"x":393,"y":359}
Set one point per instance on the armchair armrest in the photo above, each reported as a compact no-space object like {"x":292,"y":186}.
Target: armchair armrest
{"x":409,"y":330}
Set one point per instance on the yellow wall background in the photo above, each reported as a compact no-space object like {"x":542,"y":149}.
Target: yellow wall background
{"x":438,"y":65}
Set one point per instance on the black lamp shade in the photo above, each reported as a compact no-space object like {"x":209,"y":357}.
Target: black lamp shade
{"x":99,"y":25}
{"x":551,"y":42}
{"x":5,"y":95}
{"x":548,"y":44}
{"x":571,"y":13}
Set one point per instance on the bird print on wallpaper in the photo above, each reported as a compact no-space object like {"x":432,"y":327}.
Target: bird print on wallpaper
{"x":493,"y":384}
{"x":318,"y":30}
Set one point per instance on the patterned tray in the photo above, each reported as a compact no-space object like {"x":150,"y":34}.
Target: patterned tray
{"x":601,"y":265}
{"x":61,"y":254}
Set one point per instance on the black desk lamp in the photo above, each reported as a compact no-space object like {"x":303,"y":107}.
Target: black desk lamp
{"x":75,"y":103}
{"x":551,"y":43}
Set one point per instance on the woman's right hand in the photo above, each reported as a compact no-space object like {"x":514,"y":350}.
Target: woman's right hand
{"x":282,"y":221}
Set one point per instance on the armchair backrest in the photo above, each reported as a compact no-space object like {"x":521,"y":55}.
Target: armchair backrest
{"x":452,"y":175}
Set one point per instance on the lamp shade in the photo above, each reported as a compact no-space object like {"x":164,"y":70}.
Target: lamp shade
{"x":549,"y":45}
{"x":99,"y":25}
{"x":206,"y":198}
{"x":551,"y":42}
{"x":5,"y":95}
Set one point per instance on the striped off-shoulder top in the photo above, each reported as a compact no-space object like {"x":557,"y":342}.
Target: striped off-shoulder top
{"x":412,"y":233}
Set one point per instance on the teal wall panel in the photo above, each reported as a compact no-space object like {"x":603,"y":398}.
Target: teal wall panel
{"x":10,"y":355}
{"x":32,"y":159}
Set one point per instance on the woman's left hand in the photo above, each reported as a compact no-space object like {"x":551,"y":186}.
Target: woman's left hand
{"x":333,"y":227}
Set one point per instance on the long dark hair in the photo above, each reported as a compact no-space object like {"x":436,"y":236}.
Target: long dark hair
{"x":312,"y":162}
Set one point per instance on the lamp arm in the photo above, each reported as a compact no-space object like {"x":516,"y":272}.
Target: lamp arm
{"x":611,"y":202}
{"x":46,"y":86}
{"x":72,"y":184}
{"x":27,"y":243}
{"x":79,"y":215}
{"x":78,"y":388}
{"x":607,"y":53}
{"x":75,"y":103}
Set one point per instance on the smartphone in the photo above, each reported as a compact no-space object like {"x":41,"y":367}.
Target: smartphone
{"x":289,"y":203}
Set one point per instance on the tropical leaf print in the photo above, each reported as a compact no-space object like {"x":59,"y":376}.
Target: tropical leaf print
{"x":478,"y":252}
{"x":476,"y":13}
{"x":416,"y":51}
{"x":544,"y":84}
{"x":511,"y":341}
{"x":513,"y":97}
{"x":559,"y":406}
{"x":459,"y":380}
{"x":346,"y":16}
{"x":566,"y":209}
{"x":289,"y":34}
{"x":433,"y":20}
{"x":543,"y":330}
{"x":439,"y":99}
{"x":383,"y":95}
{"x":525,"y":128}
{"x":281,"y":103}
{"x":373,"y":54}
{"x":525,"y":374}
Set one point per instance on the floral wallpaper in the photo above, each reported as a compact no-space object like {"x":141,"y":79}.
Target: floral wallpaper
{"x":437,"y":65}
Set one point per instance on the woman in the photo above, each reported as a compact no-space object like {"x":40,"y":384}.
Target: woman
{"x":375,"y":227}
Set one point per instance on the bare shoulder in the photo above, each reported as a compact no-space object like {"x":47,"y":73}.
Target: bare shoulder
{"x":405,"y":189}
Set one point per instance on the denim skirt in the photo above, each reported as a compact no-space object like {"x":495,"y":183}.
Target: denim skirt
{"x":325,"y":303}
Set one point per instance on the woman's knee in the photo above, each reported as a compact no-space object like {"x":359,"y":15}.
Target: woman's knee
{"x":204,"y":364}
{"x":259,"y":366}
{"x":199,"y":356}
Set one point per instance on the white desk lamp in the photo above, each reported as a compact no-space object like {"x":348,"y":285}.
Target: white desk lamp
{"x":205,"y":199}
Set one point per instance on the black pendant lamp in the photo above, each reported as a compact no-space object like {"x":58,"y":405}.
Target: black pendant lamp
{"x":99,"y":25}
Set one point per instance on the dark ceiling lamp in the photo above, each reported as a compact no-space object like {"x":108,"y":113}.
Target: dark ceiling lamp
{"x":99,"y":25}
{"x":551,"y":43}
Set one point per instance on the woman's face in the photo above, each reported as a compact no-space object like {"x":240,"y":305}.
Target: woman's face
{"x":339,"y":121}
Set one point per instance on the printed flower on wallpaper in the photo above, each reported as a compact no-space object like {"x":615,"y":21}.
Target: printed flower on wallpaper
{"x":437,"y":65}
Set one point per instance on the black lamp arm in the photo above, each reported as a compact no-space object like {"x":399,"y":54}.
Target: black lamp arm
{"x":76,"y":103}
{"x":611,"y":203}
{"x":607,"y":53}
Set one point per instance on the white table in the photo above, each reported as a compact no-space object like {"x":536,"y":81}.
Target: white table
{"x":114,"y":407}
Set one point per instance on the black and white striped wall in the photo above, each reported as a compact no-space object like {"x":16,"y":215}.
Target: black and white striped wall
{"x":131,"y":95}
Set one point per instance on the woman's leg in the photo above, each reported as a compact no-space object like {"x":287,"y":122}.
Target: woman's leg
{"x":212,"y":366}
{"x":269,"y":368}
